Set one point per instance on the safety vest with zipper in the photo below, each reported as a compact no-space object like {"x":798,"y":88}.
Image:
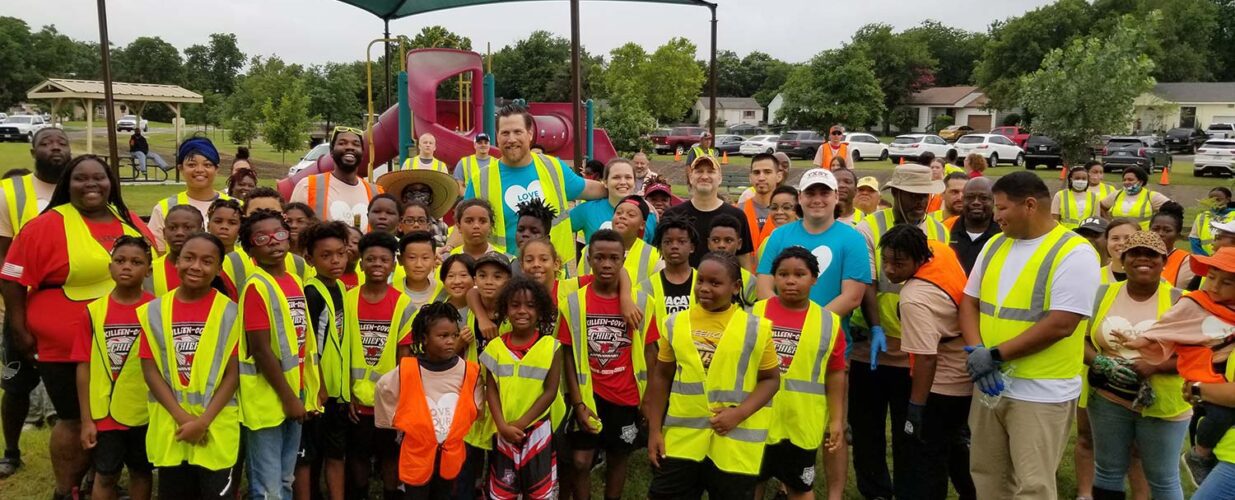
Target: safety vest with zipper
{"x":420,"y":454}
{"x":363,"y":376}
{"x":800,"y":407}
{"x":123,"y":397}
{"x":259,"y":403}
{"x":574,"y":309}
{"x":489,"y":186}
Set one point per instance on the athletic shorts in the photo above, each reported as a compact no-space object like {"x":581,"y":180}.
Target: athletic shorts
{"x":681,"y":478}
{"x":310,"y":441}
{"x":792,"y":466}
{"x":365,"y":440}
{"x":332,"y":429}
{"x":191,"y":481}
{"x":60,"y":380}
{"x":19,"y":374}
{"x":619,"y":430}
{"x":527,"y":470}
{"x":119,"y":449}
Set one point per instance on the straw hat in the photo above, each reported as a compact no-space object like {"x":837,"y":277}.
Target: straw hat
{"x":444,"y":187}
{"x":914,"y":179}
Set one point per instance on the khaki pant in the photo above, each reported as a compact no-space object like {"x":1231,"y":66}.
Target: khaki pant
{"x":1017,"y":447}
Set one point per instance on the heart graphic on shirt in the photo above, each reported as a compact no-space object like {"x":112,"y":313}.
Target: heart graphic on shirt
{"x":1129,"y":330}
{"x":606,"y":224}
{"x":519,"y":194}
{"x":1215,"y":328}
{"x":824,"y":254}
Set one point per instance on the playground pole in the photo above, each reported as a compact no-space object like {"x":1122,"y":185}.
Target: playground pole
{"x":712,"y":77}
{"x":109,"y":102}
{"x":576,"y":85}
{"x":386,"y":65}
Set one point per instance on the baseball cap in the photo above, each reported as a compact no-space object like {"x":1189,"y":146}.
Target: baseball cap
{"x":1145,"y":239}
{"x":1226,"y":227}
{"x":781,"y":157}
{"x":869,"y":182}
{"x":1094,"y":224}
{"x":496,"y":259}
{"x":482,"y":137}
{"x":661,"y":187}
{"x":816,"y":176}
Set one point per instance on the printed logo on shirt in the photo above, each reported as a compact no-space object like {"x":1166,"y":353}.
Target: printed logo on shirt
{"x":786,"y":342}
{"x":300,"y":318}
{"x":1129,"y":330}
{"x":518,"y":194}
{"x":373,"y":336}
{"x":676,"y":303}
{"x":119,"y":339}
{"x":1215,"y":328}
{"x":185,"y":337}
{"x":705,"y":343}
{"x":824,"y":254}
{"x":606,"y":341}
{"x":443,"y":412}
{"x":341,"y":211}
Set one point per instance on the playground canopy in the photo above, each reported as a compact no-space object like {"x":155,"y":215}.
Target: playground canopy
{"x":395,"y":9}
{"x":136,"y":94}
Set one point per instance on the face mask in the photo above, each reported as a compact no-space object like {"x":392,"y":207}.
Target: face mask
{"x":1133,"y":189}
{"x":1080,"y":185}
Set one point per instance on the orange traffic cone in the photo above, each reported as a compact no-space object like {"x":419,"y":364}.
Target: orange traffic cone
{"x":1063,"y":173}
{"x":902,"y":161}
{"x":677,"y":154}
{"x":724,"y":157}
{"x":1166,"y":177}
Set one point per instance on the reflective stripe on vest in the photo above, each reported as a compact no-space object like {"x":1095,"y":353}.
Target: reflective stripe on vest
{"x":800,"y":408}
{"x":260,"y":406}
{"x":887,"y":292}
{"x":238,"y":267}
{"x":758,"y":233}
{"x":472,"y":168}
{"x":319,"y":196}
{"x":420,"y":455}
{"x":699,"y":152}
{"x":490,"y":187}
{"x":124,"y":397}
{"x":362,"y":376}
{"x":655,"y":286}
{"x":1140,"y":211}
{"x":333,"y":362}
{"x":89,"y":277}
{"x":520,"y":382}
{"x":20,"y":197}
{"x":574,"y":308}
{"x":1070,"y":215}
{"x":636,"y":268}
{"x":166,"y":204}
{"x":156,"y":282}
{"x":1205,"y":231}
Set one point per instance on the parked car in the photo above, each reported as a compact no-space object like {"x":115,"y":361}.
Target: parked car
{"x":3,"y":116}
{"x":21,"y":127}
{"x":953,"y":132}
{"x":800,"y":143}
{"x":866,"y":147}
{"x":994,"y":147}
{"x":1042,"y":150}
{"x":1221,"y":131}
{"x":1216,"y":156}
{"x":759,"y":144}
{"x":678,"y":139}
{"x":309,"y":159}
{"x":129,"y":123}
{"x":745,"y":129}
{"x":1018,"y":135}
{"x":726,"y":143}
{"x":1185,"y":139}
{"x":1147,"y":152}
{"x":911,"y":146}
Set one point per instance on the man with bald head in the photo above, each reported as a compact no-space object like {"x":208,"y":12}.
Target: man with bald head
{"x":977,"y":223}
{"x":426,"y":146}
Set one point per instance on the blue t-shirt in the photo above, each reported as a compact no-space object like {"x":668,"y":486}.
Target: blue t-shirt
{"x":841,"y":251}
{"x":520,"y":184}
{"x":592,"y":216}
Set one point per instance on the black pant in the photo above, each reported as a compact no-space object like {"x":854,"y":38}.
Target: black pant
{"x":1213,"y":425}
{"x":934,"y":458}
{"x":871,"y":395}
{"x":190,"y":481}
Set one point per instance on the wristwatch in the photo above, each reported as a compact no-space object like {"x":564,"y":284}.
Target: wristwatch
{"x":1195,"y":391}
{"x":995,"y":355}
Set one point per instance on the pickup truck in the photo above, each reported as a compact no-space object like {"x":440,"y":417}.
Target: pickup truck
{"x":678,"y":139}
{"x":1018,"y":135}
{"x":22,"y":127}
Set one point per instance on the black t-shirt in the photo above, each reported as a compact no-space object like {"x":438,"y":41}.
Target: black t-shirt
{"x":317,"y":309}
{"x":677,"y":297}
{"x":703,"y":223}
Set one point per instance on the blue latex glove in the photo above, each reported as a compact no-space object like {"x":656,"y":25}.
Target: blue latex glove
{"x":879,"y":343}
{"x":980,"y":362}
{"x":990,"y":384}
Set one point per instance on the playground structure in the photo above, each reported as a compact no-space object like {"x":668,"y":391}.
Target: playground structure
{"x":452,"y":121}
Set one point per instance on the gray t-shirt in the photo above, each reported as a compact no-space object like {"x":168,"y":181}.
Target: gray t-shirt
{"x":761,"y":213}
{"x":422,"y":297}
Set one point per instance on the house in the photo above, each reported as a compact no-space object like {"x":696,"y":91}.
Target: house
{"x":730,"y":110}
{"x":774,"y":107}
{"x":965,"y":104}
{"x":1184,"y":104}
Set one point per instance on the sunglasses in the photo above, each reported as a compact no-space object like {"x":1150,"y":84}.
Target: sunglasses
{"x":837,"y":132}
{"x":263,"y":239}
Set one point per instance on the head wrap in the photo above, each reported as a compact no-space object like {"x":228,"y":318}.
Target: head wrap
{"x":197,"y":145}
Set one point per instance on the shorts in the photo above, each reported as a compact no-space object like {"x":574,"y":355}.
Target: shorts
{"x":792,"y":466}
{"x":310,"y":441}
{"x":19,"y":375}
{"x":119,"y":449}
{"x":619,"y":430}
{"x":60,"y":380}
{"x":191,"y":481}
{"x":365,"y":440}
{"x":682,"y":478}
{"x":332,"y":428}
{"x":527,"y":470}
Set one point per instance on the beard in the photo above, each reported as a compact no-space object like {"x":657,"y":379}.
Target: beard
{"x":344,"y":166}
{"x":50,"y":169}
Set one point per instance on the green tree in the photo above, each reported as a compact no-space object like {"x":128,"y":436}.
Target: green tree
{"x":836,"y":86}
{"x":287,"y":119}
{"x":673,"y":80}
{"x":440,"y":37}
{"x":332,"y":94}
{"x":55,"y":55}
{"x":1065,"y":103}
{"x":526,"y":69}
{"x":957,"y":51}
{"x":901,"y":65}
{"x":17,"y":74}
{"x":1224,"y":36}
{"x":148,"y":60}
{"x":1018,"y":45}
{"x":627,"y":122}
{"x":730,"y":75}
{"x":214,"y":67}
{"x":764,"y":76}
{"x":267,"y":80}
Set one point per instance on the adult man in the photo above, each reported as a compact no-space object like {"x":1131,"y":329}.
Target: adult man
{"x":705,"y":204}
{"x":703,"y":149}
{"x":1094,"y":230}
{"x":782,"y":167}
{"x":521,"y":175}
{"x":340,"y":194}
{"x":977,"y":222}
{"x":1030,"y":288}
{"x":426,"y":146}
{"x":867,"y":200}
{"x":884,"y":387}
{"x":470,"y":165}
{"x":953,"y":199}
{"x":834,"y":148}
{"x":643,"y":171}
{"x":846,"y":182}
{"x":140,"y":149}
{"x":764,"y":177}
{"x":22,"y":199}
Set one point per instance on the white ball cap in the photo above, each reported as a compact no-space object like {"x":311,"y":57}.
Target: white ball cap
{"x":817,"y":176}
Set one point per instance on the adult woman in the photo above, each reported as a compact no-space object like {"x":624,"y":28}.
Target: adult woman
{"x":784,"y":208}
{"x":619,"y":177}
{"x":1117,"y":234}
{"x":1168,"y":223}
{"x":242,"y":160}
{"x":975,"y":164}
{"x":197,"y":161}
{"x":1135,"y":200}
{"x":53,"y":288}
{"x":1075,"y":202}
{"x":1121,"y":411}
{"x":1096,"y":173}
{"x":242,"y":182}
{"x":1219,"y":210}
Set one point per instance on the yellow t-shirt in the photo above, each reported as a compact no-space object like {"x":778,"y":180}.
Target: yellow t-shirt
{"x":707,"y":328}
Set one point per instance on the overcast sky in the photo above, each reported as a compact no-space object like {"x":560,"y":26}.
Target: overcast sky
{"x":317,"y":31}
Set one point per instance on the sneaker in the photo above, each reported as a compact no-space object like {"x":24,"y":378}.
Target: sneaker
{"x":9,"y":466}
{"x":1198,"y":466}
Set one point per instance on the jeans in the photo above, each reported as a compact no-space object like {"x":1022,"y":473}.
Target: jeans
{"x":1158,"y":441}
{"x":141,"y":160}
{"x":271,"y":460}
{"x":1219,"y":484}
{"x":872,"y":395}
{"x":943,"y":448}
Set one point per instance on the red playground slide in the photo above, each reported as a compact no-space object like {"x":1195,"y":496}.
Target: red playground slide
{"x":427,"y":68}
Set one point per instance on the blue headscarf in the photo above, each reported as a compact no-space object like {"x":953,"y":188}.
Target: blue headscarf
{"x":197,"y":145}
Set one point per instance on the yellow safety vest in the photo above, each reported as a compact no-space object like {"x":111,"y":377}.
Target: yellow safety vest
{"x":398,"y":280}
{"x":1103,"y":189}
{"x":1168,"y":387}
{"x":157,"y":282}
{"x":166,"y":204}
{"x":800,"y":407}
{"x":1142,"y":208}
{"x":472,"y":166}
{"x":21,"y":200}
{"x":520,"y":382}
{"x":1205,"y":231}
{"x":238,"y":266}
{"x":481,"y":433}
{"x":413,"y":163}
{"x":699,"y":152}
{"x":1225,"y":451}
{"x":363,"y":376}
{"x":888,"y":294}
{"x":640,"y":261}
{"x":334,"y":359}
{"x":1070,"y":215}
{"x":489,"y":187}
{"x":728,"y":381}
{"x":125,"y":398}
{"x":653,"y":285}
{"x":574,"y":309}
{"x":259,"y":403}
{"x":1027,"y":302}
{"x":222,"y":332}
{"x":89,"y":277}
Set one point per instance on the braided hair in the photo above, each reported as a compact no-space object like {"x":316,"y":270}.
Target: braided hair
{"x":675,"y":222}
{"x":428,"y":315}
{"x":909,"y":241}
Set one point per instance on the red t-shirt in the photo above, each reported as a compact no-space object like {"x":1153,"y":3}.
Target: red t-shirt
{"x":350,"y":279}
{"x":787,"y":327}
{"x":188,"y":323}
{"x":518,"y":350}
{"x":374,"y":325}
{"x":39,"y":259}
{"x":120,"y":331}
{"x":581,"y":282}
{"x":257,"y":315}
{"x":609,"y":349}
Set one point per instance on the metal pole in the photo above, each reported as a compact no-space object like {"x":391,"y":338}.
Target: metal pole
{"x":712,"y":77}
{"x":576,"y":85}
{"x":109,"y":103}
{"x":386,"y":67}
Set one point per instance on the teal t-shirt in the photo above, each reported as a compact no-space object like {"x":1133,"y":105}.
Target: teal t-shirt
{"x":520,"y":184}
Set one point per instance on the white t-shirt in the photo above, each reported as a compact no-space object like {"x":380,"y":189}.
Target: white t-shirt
{"x":344,"y":201}
{"x":1074,"y":284}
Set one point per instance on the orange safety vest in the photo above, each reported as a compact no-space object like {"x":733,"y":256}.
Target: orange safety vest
{"x":950,"y":222}
{"x":1174,"y":264}
{"x":1195,"y":363}
{"x":944,"y":271}
{"x":934,"y":203}
{"x":420,"y":451}
{"x":758,"y":234}
{"x":826,"y":159}
{"x":318,"y":198}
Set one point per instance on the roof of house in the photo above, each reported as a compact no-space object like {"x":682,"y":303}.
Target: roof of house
{"x":730,"y":103}
{"x":54,"y":88}
{"x":949,"y":97}
{"x":1221,"y":92}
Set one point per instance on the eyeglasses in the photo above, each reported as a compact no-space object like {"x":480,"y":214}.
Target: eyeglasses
{"x":263,"y":239}
{"x":414,"y":220}
{"x":783,"y":207}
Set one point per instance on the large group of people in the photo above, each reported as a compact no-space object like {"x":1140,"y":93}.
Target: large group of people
{"x":498,"y":329}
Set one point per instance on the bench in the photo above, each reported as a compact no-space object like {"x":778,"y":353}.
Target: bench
{"x":137,"y":175}
{"x":735,"y":181}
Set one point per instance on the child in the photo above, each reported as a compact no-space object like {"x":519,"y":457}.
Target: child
{"x":535,"y":221}
{"x":474,"y":221}
{"x":325,"y":245}
{"x":492,"y":272}
{"x":194,"y":433}
{"x":352,"y":278}
{"x":180,"y":222}
{"x":674,"y":285}
{"x":523,"y":394}
{"x":223,"y":221}
{"x":263,"y":198}
{"x":806,"y":337}
{"x":416,"y":217}
{"x":298,"y":216}
{"x":692,"y":442}
{"x":629,"y":219}
{"x":377,"y":318}
{"x":384,"y":214}
{"x":458,"y":277}
{"x":725,"y":236}
{"x":607,"y":369}
{"x":280,"y":378}
{"x":437,"y":402}
{"x":110,"y":388}
{"x":417,"y":261}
